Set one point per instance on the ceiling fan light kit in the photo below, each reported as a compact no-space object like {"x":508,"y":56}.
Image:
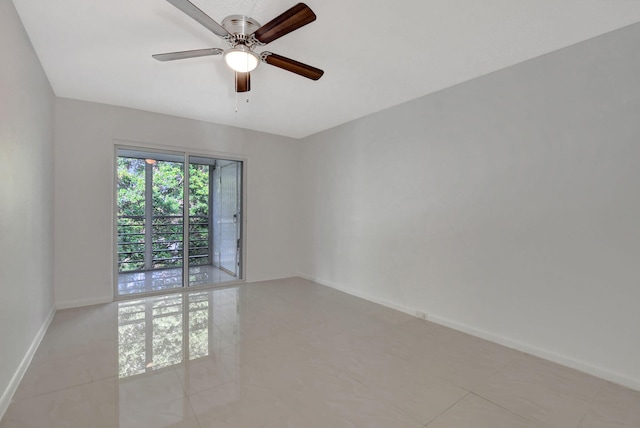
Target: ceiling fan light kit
{"x":241,"y":59}
{"x":243,"y":34}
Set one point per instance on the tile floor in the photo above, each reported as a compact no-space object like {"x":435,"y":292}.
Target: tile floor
{"x":291,"y":353}
{"x":167,"y":279}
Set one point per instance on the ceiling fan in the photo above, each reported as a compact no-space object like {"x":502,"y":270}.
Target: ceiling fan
{"x":243,"y":34}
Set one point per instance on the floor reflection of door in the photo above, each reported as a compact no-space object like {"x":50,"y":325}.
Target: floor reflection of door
{"x":192,"y":335}
{"x":159,"y":332}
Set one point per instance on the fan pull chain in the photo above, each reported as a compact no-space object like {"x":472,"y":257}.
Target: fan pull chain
{"x":246,"y":100}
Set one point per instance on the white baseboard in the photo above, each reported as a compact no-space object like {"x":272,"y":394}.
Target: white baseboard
{"x":69,"y":304}
{"x":5,"y":399}
{"x":505,"y":341}
{"x":542,"y":353}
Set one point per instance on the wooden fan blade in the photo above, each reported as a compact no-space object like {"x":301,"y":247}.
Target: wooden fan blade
{"x":190,"y":9}
{"x":187,"y":54}
{"x":243,"y":82}
{"x":294,"y":18}
{"x":293,"y":66}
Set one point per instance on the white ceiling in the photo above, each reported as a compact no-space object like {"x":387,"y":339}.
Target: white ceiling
{"x":375,"y":53}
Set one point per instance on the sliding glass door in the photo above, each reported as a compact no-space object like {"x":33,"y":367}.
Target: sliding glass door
{"x":227,"y":240}
{"x":214,"y":214}
{"x":160,"y":236}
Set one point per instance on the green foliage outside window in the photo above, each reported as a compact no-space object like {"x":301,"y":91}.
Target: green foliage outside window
{"x":167,"y":211}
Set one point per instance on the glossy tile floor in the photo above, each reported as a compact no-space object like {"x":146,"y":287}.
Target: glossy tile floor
{"x":167,"y":279}
{"x":291,"y":353}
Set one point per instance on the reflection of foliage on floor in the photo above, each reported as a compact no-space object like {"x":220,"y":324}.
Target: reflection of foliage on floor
{"x":151,"y":333}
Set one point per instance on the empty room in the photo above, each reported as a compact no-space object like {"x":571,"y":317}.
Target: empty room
{"x":268,"y":214}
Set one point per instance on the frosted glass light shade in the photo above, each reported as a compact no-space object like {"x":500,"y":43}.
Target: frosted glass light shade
{"x":241,"y":59}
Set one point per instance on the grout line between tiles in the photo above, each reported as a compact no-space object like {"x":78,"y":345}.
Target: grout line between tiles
{"x":593,"y":399}
{"x":193,"y":411}
{"x":535,"y":421}
{"x":62,"y":389}
{"x":447,"y":409}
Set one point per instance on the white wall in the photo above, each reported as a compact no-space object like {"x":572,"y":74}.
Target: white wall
{"x":26,"y":213}
{"x":507,"y":206}
{"x":84,"y":176}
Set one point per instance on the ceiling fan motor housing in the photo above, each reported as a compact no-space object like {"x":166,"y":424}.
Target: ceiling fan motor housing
{"x":240,"y":27}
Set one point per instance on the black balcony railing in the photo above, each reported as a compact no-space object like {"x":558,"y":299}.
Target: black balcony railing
{"x":166,"y":239}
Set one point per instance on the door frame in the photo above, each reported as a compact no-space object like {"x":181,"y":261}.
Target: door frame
{"x":186,"y":152}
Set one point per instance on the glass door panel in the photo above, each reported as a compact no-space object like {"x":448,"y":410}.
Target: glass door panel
{"x":149,"y":221}
{"x":200,"y":212}
{"x":229,"y":217}
{"x":167,"y":215}
{"x":208,"y":217}
{"x":131,"y":214}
